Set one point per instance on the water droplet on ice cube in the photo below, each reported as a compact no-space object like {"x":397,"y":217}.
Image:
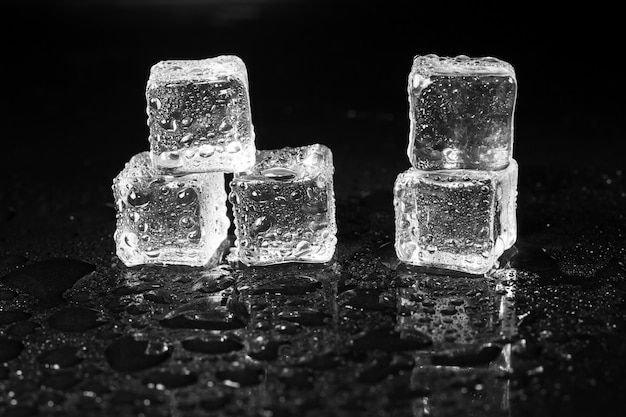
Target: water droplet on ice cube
{"x":138,"y":199}
{"x":279,"y":173}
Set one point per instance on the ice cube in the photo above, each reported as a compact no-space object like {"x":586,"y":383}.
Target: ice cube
{"x":455,"y":219}
{"x":164,"y":219}
{"x":199,"y":115}
{"x":461,"y":112}
{"x":284,"y":207}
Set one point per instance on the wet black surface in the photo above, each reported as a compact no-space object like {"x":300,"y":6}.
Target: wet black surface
{"x":364,"y":335}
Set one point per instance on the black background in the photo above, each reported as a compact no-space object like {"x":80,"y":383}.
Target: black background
{"x":333,"y":72}
{"x":328,"y":72}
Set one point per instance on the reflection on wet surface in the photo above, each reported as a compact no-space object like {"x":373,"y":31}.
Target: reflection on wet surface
{"x":282,"y":340}
{"x":472,"y":324}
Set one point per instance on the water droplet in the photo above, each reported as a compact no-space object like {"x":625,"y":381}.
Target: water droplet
{"x":170,"y":159}
{"x":296,"y":196}
{"x":127,"y":354}
{"x":186,"y":121}
{"x":152,"y":252}
{"x":302,"y":248}
{"x":169,"y":124}
{"x":131,"y":239}
{"x":206,"y":150}
{"x":155,"y":103}
{"x":233,"y":198}
{"x":409,"y":248}
{"x":187,"y":196}
{"x":260,"y":195}
{"x":316,"y":226}
{"x":451,"y":155}
{"x":279,"y":173}
{"x":186,"y":138}
{"x":138,"y":199}
{"x":186,"y":222}
{"x":233,"y":147}
{"x":315,"y":207}
{"x":224,"y":126}
{"x":133,"y":216}
{"x":431,"y":248}
{"x":194,"y":236}
{"x":262,"y":224}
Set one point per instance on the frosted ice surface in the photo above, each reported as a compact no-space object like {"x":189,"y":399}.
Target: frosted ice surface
{"x":164,"y":219}
{"x":461,"y":112}
{"x":455,"y":219}
{"x":284,"y":207}
{"x":199,"y":115}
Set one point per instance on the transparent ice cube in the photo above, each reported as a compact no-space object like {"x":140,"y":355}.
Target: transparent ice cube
{"x":199,"y":115}
{"x":164,"y":219}
{"x":284,"y":207}
{"x":455,"y":219}
{"x":461,"y":112}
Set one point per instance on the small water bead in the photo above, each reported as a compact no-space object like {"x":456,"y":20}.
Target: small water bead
{"x":431,"y":248}
{"x":302,"y":248}
{"x":262,"y":224}
{"x":152,"y":252}
{"x":409,"y":248}
{"x":155,"y":103}
{"x":224,"y":126}
{"x":296,"y":196}
{"x":206,"y":151}
{"x":142,"y":227}
{"x":314,"y":207}
{"x":233,"y":198}
{"x":131,"y":239}
{"x":225,"y":93}
{"x":233,"y":147}
{"x":133,"y":216}
{"x":279,"y":173}
{"x":187,"y":196}
{"x":194,"y":236}
{"x":186,"y":138}
{"x":189,"y":153}
{"x":261,"y":195}
{"x":170,"y":159}
{"x":138,"y":199}
{"x":428,"y":238}
{"x":171,"y":125}
{"x":186,"y":121}
{"x":187,"y":222}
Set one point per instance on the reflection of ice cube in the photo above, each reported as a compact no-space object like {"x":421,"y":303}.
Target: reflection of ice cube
{"x":461,"y":112}
{"x":472,"y":322}
{"x":455,"y":219}
{"x":199,"y":115}
{"x":284,"y":207}
{"x":168,"y":220}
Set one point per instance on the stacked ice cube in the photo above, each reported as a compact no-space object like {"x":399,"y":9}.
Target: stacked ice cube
{"x":455,"y":207}
{"x":171,"y":201}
